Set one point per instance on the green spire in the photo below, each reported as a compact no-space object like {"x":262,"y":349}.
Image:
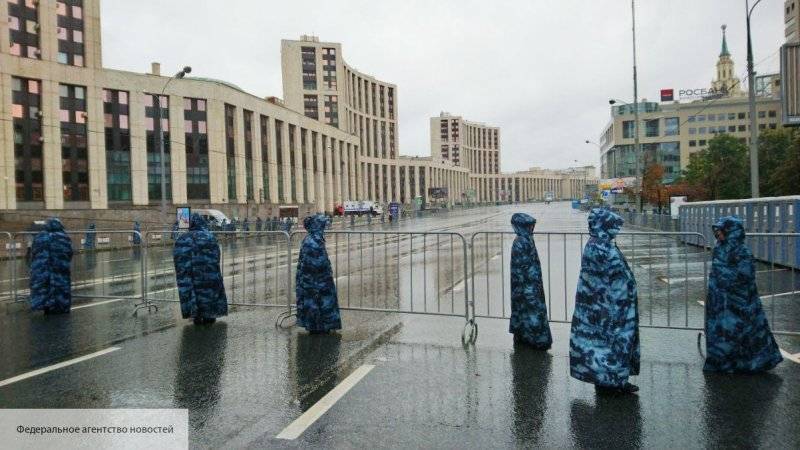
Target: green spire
{"x":724,"y":51}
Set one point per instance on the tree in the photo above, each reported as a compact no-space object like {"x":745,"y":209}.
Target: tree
{"x":722,"y":170}
{"x":779,"y":162}
{"x":653,"y":189}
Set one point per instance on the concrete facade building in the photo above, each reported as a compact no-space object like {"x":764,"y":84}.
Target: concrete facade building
{"x":671,"y":131}
{"x":473,"y":145}
{"x":75,"y":136}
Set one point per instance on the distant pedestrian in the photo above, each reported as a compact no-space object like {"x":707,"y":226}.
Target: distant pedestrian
{"x":136,"y":236}
{"x":738,"y":338}
{"x":90,"y":238}
{"x":529,"y":323}
{"x":259,"y":223}
{"x":200,"y":287}
{"x":175,"y":231}
{"x":50,"y":281}
{"x":604,"y":342}
{"x":317,"y":302}
{"x":246,"y":224}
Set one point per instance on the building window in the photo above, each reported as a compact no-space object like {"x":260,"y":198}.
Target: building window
{"x":329,"y":67}
{"x":23,"y":28}
{"x":731,"y":128}
{"x":762,"y":126}
{"x":279,"y":156}
{"x":74,"y":147}
{"x":292,"y":162}
{"x":702,"y":142}
{"x":692,"y":118}
{"x":741,"y":115}
{"x":627,"y":129}
{"x":773,"y":113}
{"x":265,"y":158}
{"x":731,"y":116}
{"x":26,"y":101}
{"x":332,"y":110}
{"x":118,"y":145}
{"x":692,"y":130}
{"x":382,"y":101}
{"x":196,"y":132}
{"x":762,"y":114}
{"x":391,"y":102}
{"x":671,"y":126}
{"x":69,"y":30}
{"x":720,"y":117}
{"x":701,"y":130}
{"x":248,"y":153}
{"x":772,"y":126}
{"x":311,"y":106}
{"x":692,"y":143}
{"x":230,"y":149}
{"x":153,"y":104}
{"x":308,"y":58}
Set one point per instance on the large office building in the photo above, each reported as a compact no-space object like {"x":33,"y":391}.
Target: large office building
{"x":473,"y":145}
{"x":670,"y":131}
{"x":77,"y":137}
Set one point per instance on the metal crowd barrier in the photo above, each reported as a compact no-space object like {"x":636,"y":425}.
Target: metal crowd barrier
{"x":256,"y":267}
{"x":102,"y":272}
{"x":402,"y":272}
{"x":671,"y":275}
{"x":663,"y":222}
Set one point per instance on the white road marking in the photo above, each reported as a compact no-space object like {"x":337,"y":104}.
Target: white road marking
{"x":675,"y":280}
{"x":782,"y":294}
{"x":296,"y":428}
{"x":88,"y":305}
{"x":60,"y":365}
{"x":793,"y":358}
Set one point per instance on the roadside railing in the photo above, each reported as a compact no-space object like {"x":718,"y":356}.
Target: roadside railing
{"x":96,"y":273}
{"x":255,"y":267}
{"x":671,"y":275}
{"x":404,"y":272}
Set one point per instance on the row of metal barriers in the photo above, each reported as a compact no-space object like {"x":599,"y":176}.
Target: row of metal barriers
{"x":431,"y":273}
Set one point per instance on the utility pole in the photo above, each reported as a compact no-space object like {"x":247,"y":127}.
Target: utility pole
{"x":160,"y":139}
{"x":751,"y":84}
{"x":636,"y":146}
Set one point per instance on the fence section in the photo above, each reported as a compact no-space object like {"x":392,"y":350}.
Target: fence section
{"x":670,"y":273}
{"x":98,"y":270}
{"x":406,"y":272}
{"x":255,"y":265}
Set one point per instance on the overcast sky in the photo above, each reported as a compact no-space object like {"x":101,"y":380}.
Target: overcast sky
{"x":541,"y":70}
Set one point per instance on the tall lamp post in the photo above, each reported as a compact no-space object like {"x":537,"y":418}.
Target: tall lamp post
{"x":751,"y":84}
{"x":178,"y":75}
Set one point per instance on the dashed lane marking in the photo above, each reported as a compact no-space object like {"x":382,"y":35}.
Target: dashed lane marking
{"x":60,"y":365}
{"x":793,"y":358}
{"x":296,"y":428}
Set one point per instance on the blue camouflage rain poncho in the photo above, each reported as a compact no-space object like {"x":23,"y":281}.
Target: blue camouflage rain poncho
{"x":200,"y":286}
{"x":738,"y":338}
{"x":528,"y":309}
{"x":50,"y":284}
{"x":317,"y":303}
{"x":604,"y":343}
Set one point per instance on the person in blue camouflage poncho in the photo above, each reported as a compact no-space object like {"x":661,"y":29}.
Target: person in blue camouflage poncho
{"x":317,"y":303}
{"x":738,"y":338}
{"x":604,"y":342}
{"x":200,"y":286}
{"x":528,"y":309}
{"x":50,"y":283}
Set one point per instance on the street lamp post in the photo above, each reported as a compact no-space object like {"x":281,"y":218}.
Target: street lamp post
{"x":636,"y":148}
{"x":157,"y":103}
{"x":751,"y":84}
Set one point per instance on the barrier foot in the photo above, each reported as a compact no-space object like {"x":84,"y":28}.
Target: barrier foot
{"x":146,"y":305}
{"x":281,"y":319}
{"x":470,"y":333}
{"x":699,"y":344}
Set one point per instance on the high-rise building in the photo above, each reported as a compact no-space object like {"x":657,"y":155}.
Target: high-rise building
{"x":473,"y":145}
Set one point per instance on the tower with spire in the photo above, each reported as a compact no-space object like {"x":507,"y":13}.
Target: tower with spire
{"x":726,"y":82}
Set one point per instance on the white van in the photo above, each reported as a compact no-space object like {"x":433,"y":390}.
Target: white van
{"x":214,"y":217}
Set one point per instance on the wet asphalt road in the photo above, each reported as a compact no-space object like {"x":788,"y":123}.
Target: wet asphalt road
{"x":243,"y":380}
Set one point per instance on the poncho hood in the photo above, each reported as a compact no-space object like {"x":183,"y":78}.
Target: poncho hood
{"x":733,"y":228}
{"x":54,"y":225}
{"x":523,"y":224}
{"x":316,"y":224}
{"x":604,"y":224}
{"x":197,"y":223}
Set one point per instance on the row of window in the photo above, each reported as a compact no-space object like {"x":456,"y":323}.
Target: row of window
{"x":731,"y":128}
{"x":731,"y":116}
{"x":364,"y":93}
{"x":25,"y":36}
